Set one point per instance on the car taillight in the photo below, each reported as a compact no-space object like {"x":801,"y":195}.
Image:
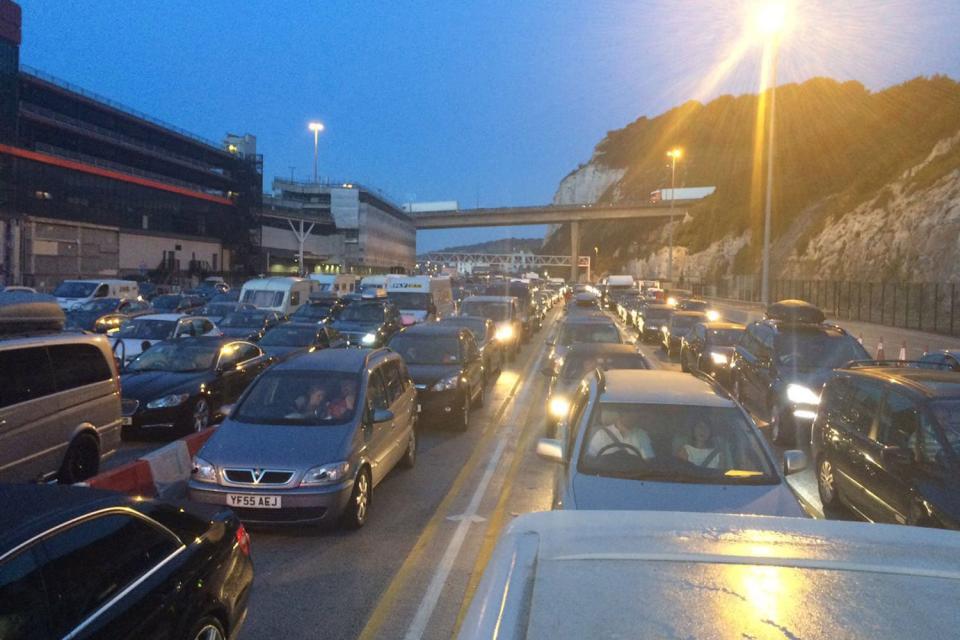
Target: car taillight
{"x":243,"y":540}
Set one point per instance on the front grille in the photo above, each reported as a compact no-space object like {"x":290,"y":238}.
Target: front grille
{"x":292,"y":514}
{"x":129,"y":407}
{"x":258,"y":477}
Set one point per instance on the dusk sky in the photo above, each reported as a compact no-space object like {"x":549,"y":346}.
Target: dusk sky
{"x":482,"y":102}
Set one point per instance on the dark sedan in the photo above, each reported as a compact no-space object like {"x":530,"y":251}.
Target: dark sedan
{"x":651,"y":321}
{"x":180,"y":386}
{"x":485,"y":331}
{"x":84,"y":563}
{"x":103,"y":314}
{"x":680,"y":325}
{"x":709,"y":348}
{"x":177,"y":303}
{"x":290,"y":338}
{"x":318,"y":310}
{"x":217,"y":311}
{"x":249,"y":325}
{"x":368,"y":323}
{"x":446,"y":367}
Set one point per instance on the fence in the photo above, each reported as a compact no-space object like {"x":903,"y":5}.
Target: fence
{"x":924,"y":306}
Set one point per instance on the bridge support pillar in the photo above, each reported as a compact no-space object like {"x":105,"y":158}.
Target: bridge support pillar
{"x":574,"y":249}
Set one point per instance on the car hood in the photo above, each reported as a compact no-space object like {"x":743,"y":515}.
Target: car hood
{"x":239,"y":332}
{"x":276,"y":446}
{"x":150,"y":385}
{"x":616,"y":494}
{"x":428,"y":374}
{"x":356,"y":327}
{"x":282,"y":352}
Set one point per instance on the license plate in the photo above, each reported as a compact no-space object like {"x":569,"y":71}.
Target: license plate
{"x":126,"y":421}
{"x":253,"y":502}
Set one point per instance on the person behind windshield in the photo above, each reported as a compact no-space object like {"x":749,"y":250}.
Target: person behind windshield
{"x":343,"y":406}
{"x":313,"y":404}
{"x":701,"y":450}
{"x":618,"y":432}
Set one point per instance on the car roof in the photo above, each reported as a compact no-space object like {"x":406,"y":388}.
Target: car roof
{"x":933,"y":383}
{"x":723,"y":325}
{"x":602,"y":348}
{"x":432,"y":329}
{"x":589,"y":319}
{"x":340,"y":360}
{"x":504,"y":299}
{"x":162,"y":316}
{"x":657,"y":386}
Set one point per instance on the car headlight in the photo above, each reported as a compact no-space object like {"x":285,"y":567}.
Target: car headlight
{"x":332,"y":473}
{"x":559,"y":407}
{"x":446,"y":384}
{"x":172,"y":400}
{"x":713,"y":315}
{"x":672,"y":301}
{"x":719,"y":358}
{"x":370,"y":338}
{"x":109,"y":321}
{"x":799,"y":394}
{"x":203,"y":470}
{"x":504,"y":332}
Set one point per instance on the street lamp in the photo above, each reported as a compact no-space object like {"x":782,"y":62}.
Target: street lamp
{"x":316,"y":127}
{"x":674,"y":155}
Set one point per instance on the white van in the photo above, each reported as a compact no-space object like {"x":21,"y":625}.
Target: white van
{"x":340,"y":284}
{"x":73,"y":293}
{"x":283,"y":295}
{"x":421,"y":298}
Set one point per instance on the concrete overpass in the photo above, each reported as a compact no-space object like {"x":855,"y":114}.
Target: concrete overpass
{"x":572,"y":214}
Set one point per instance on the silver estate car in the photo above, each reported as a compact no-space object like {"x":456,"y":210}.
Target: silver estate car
{"x":310,"y":439}
{"x":659,"y":440}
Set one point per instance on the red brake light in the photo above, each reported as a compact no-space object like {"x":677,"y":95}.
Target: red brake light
{"x":243,"y":540}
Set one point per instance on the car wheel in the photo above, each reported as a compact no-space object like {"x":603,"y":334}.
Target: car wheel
{"x":81,"y":461}
{"x":410,"y":455}
{"x":201,"y":415}
{"x":827,"y":485}
{"x":355,"y":515}
{"x":464,"y":423}
{"x":207,"y":628}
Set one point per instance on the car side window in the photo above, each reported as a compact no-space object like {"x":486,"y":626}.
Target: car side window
{"x":404,"y":374}
{"x":185,"y":328}
{"x":898,"y":421}
{"x":700,"y":332}
{"x":247,"y":351}
{"x":929,"y":448}
{"x":470,"y":350}
{"x":322,"y":340}
{"x":376,"y":393}
{"x":574,"y":418}
{"x":77,"y":365}
{"x":229,"y":355}
{"x":34,"y":377}
{"x":201,"y":326}
{"x":861,"y":406}
{"x":91,"y":562}
{"x":23,"y":606}
{"x":392,"y":381}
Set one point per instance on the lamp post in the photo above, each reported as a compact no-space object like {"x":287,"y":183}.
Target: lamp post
{"x":674,"y":155}
{"x":316,"y":127}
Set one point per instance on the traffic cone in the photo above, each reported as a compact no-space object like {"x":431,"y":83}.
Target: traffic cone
{"x":880,"y":353}
{"x":926,"y":349}
{"x":860,"y":339}
{"x":903,"y":352}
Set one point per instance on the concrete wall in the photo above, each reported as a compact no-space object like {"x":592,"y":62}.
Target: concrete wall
{"x":385,"y":240}
{"x":144,"y":252}
{"x":331,"y":246}
{"x":53,"y":250}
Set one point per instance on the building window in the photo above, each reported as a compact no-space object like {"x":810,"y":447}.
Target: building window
{"x":145,"y":221}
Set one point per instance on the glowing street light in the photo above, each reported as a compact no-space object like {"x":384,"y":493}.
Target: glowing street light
{"x":316,"y":127}
{"x":771,"y":19}
{"x":674,"y":154}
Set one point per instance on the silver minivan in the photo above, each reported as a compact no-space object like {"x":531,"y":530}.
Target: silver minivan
{"x":59,"y":402}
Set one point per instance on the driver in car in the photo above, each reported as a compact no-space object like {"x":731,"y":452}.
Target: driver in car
{"x":618,"y":435}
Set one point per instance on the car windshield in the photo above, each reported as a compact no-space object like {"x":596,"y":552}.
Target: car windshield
{"x":947,"y":415}
{"x":74,"y":289}
{"x":477,"y":326}
{"x":588,"y":332}
{"x":659,"y":315}
{"x":674,"y":443}
{"x":410,"y":300}
{"x":695,"y":305}
{"x":244,"y":319}
{"x":427,"y":349}
{"x":179,"y":356}
{"x":166,"y":302}
{"x":816,"y":349}
{"x":290,"y":336}
{"x":723,"y":337}
{"x":577,"y":365}
{"x":151,"y":329}
{"x":312,"y":312}
{"x":263,"y":297}
{"x":367,"y":313}
{"x":100,"y":305}
{"x":684,"y":322}
{"x":304,"y":398}
{"x":496,"y":311}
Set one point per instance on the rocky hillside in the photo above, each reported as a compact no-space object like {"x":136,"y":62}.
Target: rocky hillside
{"x":500,"y":245}
{"x":867,"y":184}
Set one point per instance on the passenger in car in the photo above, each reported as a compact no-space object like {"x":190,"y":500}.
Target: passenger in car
{"x":701,"y":451}
{"x":343,"y":405}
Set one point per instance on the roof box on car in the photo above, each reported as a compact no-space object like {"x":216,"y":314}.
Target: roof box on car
{"x":24,"y":312}
{"x":796,"y":311}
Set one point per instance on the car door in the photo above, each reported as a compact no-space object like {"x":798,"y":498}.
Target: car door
{"x":402,"y":404}
{"x":856,"y":442}
{"x":568,"y":434}
{"x":252,"y":361}
{"x":334,"y":339}
{"x":749,"y":358}
{"x":379,"y":444}
{"x":695,"y":346}
{"x":891,"y":480}
{"x":472,"y":362}
{"x":227,"y":386}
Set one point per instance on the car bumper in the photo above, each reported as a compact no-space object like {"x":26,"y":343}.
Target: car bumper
{"x":302,"y":505}
{"x":151,"y":422}
{"x":445,"y":406}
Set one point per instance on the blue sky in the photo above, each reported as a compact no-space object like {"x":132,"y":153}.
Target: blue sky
{"x":482,"y":102}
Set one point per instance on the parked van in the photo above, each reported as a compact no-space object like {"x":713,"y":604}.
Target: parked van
{"x":283,"y":295}
{"x":60,"y":413}
{"x":339,"y":284}
{"x":421,"y":298}
{"x":371,"y":286}
{"x":73,"y":293}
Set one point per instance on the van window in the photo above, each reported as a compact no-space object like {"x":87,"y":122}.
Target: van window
{"x":76,"y":365}
{"x":34,"y":379}
{"x":899,"y":421}
{"x":375,"y":391}
{"x":295,"y":298}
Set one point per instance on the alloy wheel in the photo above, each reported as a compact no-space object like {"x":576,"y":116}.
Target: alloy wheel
{"x":362,"y":498}
{"x":826,"y":482}
{"x":209,"y":632}
{"x":201,"y":415}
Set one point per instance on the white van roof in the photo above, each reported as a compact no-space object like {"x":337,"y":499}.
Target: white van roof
{"x":409,"y":283}
{"x":619,"y":281}
{"x":106,"y":281}
{"x":278,"y":283}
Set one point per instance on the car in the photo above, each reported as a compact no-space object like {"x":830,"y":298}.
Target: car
{"x":103,"y":314}
{"x":937,"y":359}
{"x":181,"y":386}
{"x":368,"y":323}
{"x":79,"y":563}
{"x":59,"y":407}
{"x":505,"y":312}
{"x":17,"y":288}
{"x":584,"y":300}
{"x":290,"y":338}
{"x":139,"y":334}
{"x":177,"y":303}
{"x":695,"y":304}
{"x":580,"y":330}
{"x":665,"y":440}
{"x":886,"y":441}
{"x":249,"y":325}
{"x":781,"y":363}
{"x":582,"y":360}
{"x":485,"y":332}
{"x":679,"y":326}
{"x":521,"y":292}
{"x":320,"y":309}
{"x":217,"y":311}
{"x":311,"y":439}
{"x":709,"y":347}
{"x":233,"y":295}
{"x":652,"y":320}
{"x":447,"y":369}
{"x":618,"y":574}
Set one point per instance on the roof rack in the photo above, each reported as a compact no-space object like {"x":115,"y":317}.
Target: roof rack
{"x":794,"y":312}
{"x":601,"y":380}
{"x":898,"y":364}
{"x":25,"y":313}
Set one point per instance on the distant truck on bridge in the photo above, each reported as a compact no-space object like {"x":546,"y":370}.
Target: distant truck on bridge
{"x":431,"y":207}
{"x":686,"y":193}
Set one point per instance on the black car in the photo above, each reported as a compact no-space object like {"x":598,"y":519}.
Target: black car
{"x":177,"y":303}
{"x":651,"y":321}
{"x":709,"y":348}
{"x":318,"y":310}
{"x":291,"y":338}
{"x":249,"y":325}
{"x":84,"y":563}
{"x":485,"y":332}
{"x":368,"y":323}
{"x":445,"y":364}
{"x":946,"y":358}
{"x":680,"y":325}
{"x":886,"y":442}
{"x":521,"y":292}
{"x":179,"y":386}
{"x":230,"y":296}
{"x":102,"y":314}
{"x":781,"y":363}
{"x":217,"y":311}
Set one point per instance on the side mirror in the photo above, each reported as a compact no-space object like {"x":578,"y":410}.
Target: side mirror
{"x":382,"y":415}
{"x":550,"y":450}
{"x":896,"y":456}
{"x":794,"y":461}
